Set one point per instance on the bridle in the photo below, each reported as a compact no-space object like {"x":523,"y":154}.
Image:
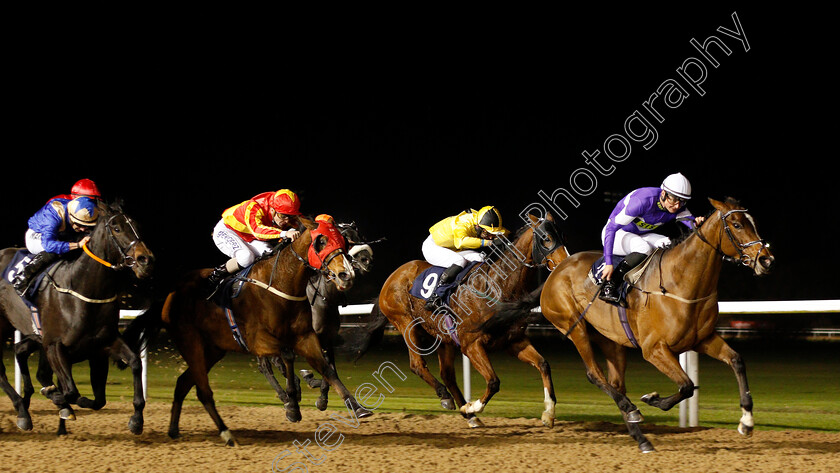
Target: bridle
{"x":742,"y":258}
{"x":128,"y":261}
{"x":546,"y":231}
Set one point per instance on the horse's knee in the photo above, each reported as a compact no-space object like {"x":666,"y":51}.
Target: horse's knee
{"x":737,"y":363}
{"x":543,"y":367}
{"x":687,"y":390}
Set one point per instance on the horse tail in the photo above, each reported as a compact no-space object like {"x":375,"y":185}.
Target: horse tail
{"x":358,"y":340}
{"x":511,"y":312}
{"x":145,"y":328}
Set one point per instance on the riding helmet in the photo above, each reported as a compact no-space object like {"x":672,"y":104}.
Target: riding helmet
{"x":83,"y":211}
{"x":678,"y":185}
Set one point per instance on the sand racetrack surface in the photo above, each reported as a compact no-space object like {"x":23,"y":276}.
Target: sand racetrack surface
{"x":389,"y":442}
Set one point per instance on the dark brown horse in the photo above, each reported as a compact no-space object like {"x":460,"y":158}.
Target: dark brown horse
{"x":272,"y":318}
{"x":672,"y":308}
{"x":472,"y":308}
{"x":78,"y":310}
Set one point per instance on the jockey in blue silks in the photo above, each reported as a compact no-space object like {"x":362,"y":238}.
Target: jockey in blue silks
{"x":53,"y":231}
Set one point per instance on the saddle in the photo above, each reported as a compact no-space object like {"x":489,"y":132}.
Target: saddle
{"x":632,"y":276}
{"x":425,"y":284}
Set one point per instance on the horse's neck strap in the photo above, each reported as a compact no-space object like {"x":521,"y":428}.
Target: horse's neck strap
{"x":96,"y":258}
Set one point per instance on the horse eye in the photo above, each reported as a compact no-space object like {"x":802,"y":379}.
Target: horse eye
{"x":736,"y":225}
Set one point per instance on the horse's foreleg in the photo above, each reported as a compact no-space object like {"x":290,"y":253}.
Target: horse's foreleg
{"x":631,"y":414}
{"x":715,"y":347}
{"x":289,"y":402}
{"x":308,"y":346}
{"x":478,"y":357}
{"x":526,"y":352}
{"x":446,"y":359}
{"x":67,"y":392}
{"x":120,"y":351}
{"x":660,"y":356}
{"x":98,"y":380}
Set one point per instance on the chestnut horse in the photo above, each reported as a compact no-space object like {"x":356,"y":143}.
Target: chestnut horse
{"x":672,"y":308}
{"x":78,"y":307}
{"x":271,"y":317}
{"x":471,"y":310}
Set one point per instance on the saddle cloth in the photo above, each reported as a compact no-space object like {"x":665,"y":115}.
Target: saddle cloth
{"x":425,"y":284}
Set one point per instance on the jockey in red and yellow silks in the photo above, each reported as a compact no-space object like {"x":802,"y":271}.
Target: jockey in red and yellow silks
{"x":251,"y":228}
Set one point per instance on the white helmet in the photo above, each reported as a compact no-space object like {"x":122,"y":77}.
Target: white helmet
{"x":678,"y":185}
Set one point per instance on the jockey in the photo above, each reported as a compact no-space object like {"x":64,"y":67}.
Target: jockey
{"x":53,"y":231}
{"x":453,"y":242}
{"x":629,"y":230}
{"x":250,"y":229}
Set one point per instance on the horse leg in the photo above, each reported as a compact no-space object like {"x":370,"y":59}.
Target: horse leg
{"x":660,"y":356}
{"x":478,"y":357}
{"x":290,"y":403}
{"x":98,"y":378}
{"x":616,"y":358}
{"x":308,"y":346}
{"x":67,"y":392}
{"x":23,"y":350}
{"x":630,"y":413}
{"x":45,"y":374}
{"x":446,"y":358}
{"x":717,"y":348}
{"x":418,"y":365}
{"x":120,"y":351}
{"x":526,"y":352}
{"x":21,"y":404}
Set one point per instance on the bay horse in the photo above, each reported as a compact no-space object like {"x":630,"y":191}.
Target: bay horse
{"x":325,"y":299}
{"x":472,"y":310}
{"x":78,"y":316}
{"x":270,"y":317}
{"x":672,"y":308}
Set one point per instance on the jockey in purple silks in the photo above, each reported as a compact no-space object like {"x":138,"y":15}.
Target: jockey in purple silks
{"x":629,"y":230}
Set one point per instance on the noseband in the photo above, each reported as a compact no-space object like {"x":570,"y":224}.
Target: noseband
{"x":743,"y":258}
{"x":546,"y":232}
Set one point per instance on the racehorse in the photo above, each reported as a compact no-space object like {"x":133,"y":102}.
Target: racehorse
{"x":269,"y":317}
{"x":672,"y":308}
{"x":77,"y":318}
{"x":467,"y":321}
{"x":324,"y":298}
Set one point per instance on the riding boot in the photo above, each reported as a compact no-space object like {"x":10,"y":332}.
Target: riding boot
{"x":446,"y":277}
{"x":39,"y":262}
{"x":214,"y":281}
{"x":610,"y":289}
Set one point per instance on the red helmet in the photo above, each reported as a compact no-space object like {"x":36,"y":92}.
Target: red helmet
{"x":285,"y":202}
{"x":85,"y":188}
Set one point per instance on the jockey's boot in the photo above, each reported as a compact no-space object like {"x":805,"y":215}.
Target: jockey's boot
{"x":24,"y":278}
{"x":214,"y":281}
{"x":446,"y":277}
{"x":609,"y":289}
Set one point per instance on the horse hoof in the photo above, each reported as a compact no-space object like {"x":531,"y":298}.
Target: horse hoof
{"x":84,"y":403}
{"x":475,"y":422}
{"x":646,"y":447}
{"x":293,"y":414}
{"x":135,"y":426}
{"x":651,"y":398}
{"x":227,"y":436}
{"x":633,"y":417}
{"x":447,"y":404}
{"x":321,"y":404}
{"x":306,"y":374}
{"x":745,"y":430}
{"x":24,"y":423}
{"x":67,"y":414}
{"x":548,"y":420}
{"x":361,"y":413}
{"x":173,"y":433}
{"x":46,"y":390}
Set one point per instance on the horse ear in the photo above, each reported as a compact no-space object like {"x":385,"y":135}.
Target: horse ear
{"x":717,"y":204}
{"x":307,"y":222}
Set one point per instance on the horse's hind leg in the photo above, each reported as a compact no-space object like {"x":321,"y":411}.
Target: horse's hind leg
{"x":666,"y":362}
{"x":21,"y":404}
{"x":199,"y":361}
{"x":98,"y":379}
{"x":526,"y":352}
{"x":67,"y":392}
{"x":717,"y":348}
{"x":616,"y":358}
{"x":418,"y":364}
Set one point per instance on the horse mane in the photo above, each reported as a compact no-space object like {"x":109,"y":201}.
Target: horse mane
{"x":684,"y":235}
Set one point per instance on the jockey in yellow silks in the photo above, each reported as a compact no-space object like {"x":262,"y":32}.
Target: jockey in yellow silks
{"x":453,"y":241}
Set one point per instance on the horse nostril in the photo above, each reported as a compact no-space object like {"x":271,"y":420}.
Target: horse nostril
{"x":344,"y":276}
{"x":766,"y":261}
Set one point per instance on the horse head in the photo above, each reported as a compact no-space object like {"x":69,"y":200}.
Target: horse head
{"x":739,"y":240}
{"x":548,"y":245}
{"x":360,"y":251}
{"x":327,"y":253}
{"x":117,"y":232}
